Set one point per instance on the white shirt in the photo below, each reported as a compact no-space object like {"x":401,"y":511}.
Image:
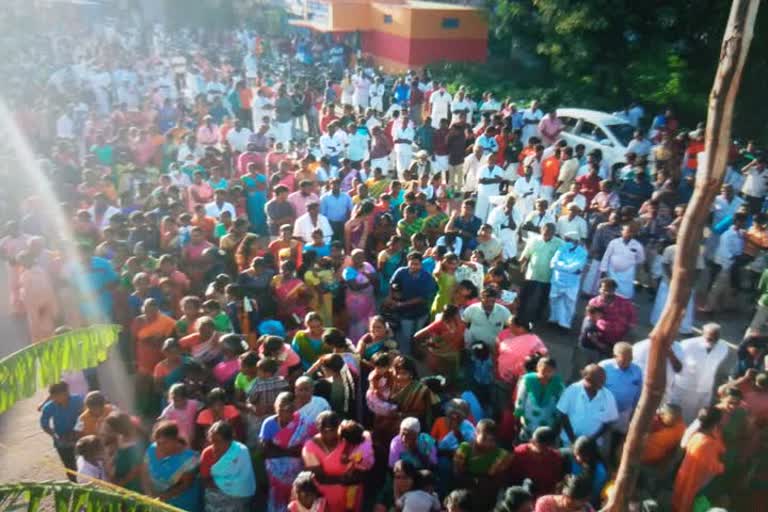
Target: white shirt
{"x":620,"y":256}
{"x":213,"y":210}
{"x":405,"y":133}
{"x":376,"y":91}
{"x":440,"y":102}
{"x":488,"y":172}
{"x":484,"y":327}
{"x":566,"y":225}
{"x":722,"y":208}
{"x":303,"y":227}
{"x":260,"y":110}
{"x":332,"y":145}
{"x":587,"y":416}
{"x":458,"y":106}
{"x":755,"y":182}
{"x":239,"y":140}
{"x":185,"y":151}
{"x":65,"y":128}
{"x":640,"y":352}
{"x":471,"y":170}
{"x":700,"y":367}
{"x":108,"y":213}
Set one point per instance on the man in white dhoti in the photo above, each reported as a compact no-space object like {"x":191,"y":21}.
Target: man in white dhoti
{"x":489,"y":179}
{"x":667,"y":260}
{"x":376,"y":95}
{"x":506,"y":221}
{"x":642,"y":349}
{"x":531,"y":118}
{"x":602,"y":236}
{"x":535,"y":220}
{"x":567,"y":264}
{"x":703,"y":359}
{"x":620,"y":261}
{"x":362,"y":91}
{"x":527,"y":191}
{"x":403,"y":139}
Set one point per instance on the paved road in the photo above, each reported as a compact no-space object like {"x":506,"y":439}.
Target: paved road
{"x":27,"y":454}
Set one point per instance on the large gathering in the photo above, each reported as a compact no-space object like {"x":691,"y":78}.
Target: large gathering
{"x":346,"y":289}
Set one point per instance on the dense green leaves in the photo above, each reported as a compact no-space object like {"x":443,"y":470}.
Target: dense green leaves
{"x":41,"y":364}
{"x":604,"y":53}
{"x":69,"y":497}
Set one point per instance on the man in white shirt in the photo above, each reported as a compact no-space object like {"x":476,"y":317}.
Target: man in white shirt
{"x":362,"y":92}
{"x":572,"y":222}
{"x":238,"y":136}
{"x":620,"y":262}
{"x":485,"y":319}
{"x":261,"y":107}
{"x":310,"y":221}
{"x":527,"y":190}
{"x":376,"y":95}
{"x":667,"y":261}
{"x":587,"y":407}
{"x":190,"y":150}
{"x":703,"y":361}
{"x":403,"y":134}
{"x":65,"y":127}
{"x":472,"y":164}
{"x":532,"y":116}
{"x":332,"y":143}
{"x":440,"y":105}
{"x":641,"y":351}
{"x":218,"y":205}
{"x":755,"y":184}
{"x":639,"y":145}
{"x":460,"y":104}
{"x":489,"y":179}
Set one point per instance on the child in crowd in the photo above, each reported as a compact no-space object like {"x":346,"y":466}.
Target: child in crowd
{"x":306,"y":495}
{"x":381,"y":380}
{"x":90,"y":459}
{"x":182,"y":410}
{"x":96,"y":409}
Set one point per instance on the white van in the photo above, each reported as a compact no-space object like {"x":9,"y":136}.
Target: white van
{"x":606,"y":132}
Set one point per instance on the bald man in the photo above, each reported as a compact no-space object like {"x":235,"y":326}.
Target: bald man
{"x":586,"y":407}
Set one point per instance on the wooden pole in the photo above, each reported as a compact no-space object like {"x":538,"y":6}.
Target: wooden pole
{"x":709,"y":178}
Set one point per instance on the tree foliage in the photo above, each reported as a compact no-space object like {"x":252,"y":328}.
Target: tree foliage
{"x":615,"y":51}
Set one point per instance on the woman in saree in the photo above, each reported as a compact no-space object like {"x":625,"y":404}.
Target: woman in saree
{"x":378,"y":338}
{"x":701,"y":463}
{"x":170,"y":370}
{"x":149,"y":331}
{"x":360,"y":279}
{"x":481,"y":465}
{"x":358,"y":228}
{"x":291,"y":294}
{"x":339,"y":455}
{"x":194,"y":262}
{"x":388,"y":261}
{"x":343,"y":384}
{"x":200,"y":192}
{"x":444,"y":342}
{"x":171,"y":469}
{"x":255,"y":282}
{"x":227,"y":471}
{"x":282,"y":437}
{"x":435,"y":221}
{"x":308,"y":342}
{"x":449,"y":432}
{"x":537,"y":396}
{"x":125,"y":451}
{"x":574,"y":497}
{"x":412,"y":397}
{"x":413,"y":446}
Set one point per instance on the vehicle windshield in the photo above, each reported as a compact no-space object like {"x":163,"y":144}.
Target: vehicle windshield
{"x":623,"y":132}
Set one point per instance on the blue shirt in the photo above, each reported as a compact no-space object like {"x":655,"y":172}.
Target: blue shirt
{"x":320,"y":250}
{"x":336,"y":207}
{"x":64,"y":416}
{"x":422,"y":285}
{"x":624,"y":384}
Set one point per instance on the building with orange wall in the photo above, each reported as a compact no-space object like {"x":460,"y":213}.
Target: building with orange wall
{"x":401,"y":34}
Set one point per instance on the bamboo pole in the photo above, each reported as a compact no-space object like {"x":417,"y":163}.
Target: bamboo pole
{"x":733,"y":54}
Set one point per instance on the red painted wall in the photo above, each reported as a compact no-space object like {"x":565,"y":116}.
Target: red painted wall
{"x":419,"y":52}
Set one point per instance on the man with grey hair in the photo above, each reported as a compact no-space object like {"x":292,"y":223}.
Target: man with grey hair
{"x":624,"y":379}
{"x":702,"y":358}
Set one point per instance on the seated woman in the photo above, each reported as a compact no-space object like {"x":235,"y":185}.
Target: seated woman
{"x":282,"y":437}
{"x":339,"y":455}
{"x":449,"y":432}
{"x":171,"y":469}
{"x":481,"y":465}
{"x":574,"y":496}
{"x":227,"y":471}
{"x":413,"y":446}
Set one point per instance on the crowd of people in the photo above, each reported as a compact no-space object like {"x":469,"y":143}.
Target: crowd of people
{"x":332,"y":297}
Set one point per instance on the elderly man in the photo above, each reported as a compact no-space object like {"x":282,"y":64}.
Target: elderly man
{"x":572,"y":222}
{"x":537,"y":258}
{"x":624,"y":379}
{"x":641,"y":351}
{"x":489,"y":178}
{"x":310,"y":221}
{"x":567,"y":264}
{"x":620,"y":261}
{"x":618,"y":313}
{"x":703,"y":359}
{"x":506,"y":221}
{"x":586,"y":407}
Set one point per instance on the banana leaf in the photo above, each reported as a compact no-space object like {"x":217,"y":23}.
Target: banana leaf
{"x":25,"y":371}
